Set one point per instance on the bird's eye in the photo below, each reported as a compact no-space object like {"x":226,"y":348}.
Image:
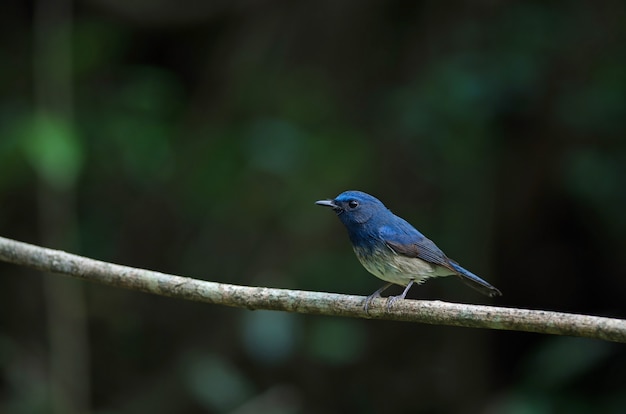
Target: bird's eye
{"x":353,"y":204}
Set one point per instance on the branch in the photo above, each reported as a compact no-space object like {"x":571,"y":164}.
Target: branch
{"x":319,"y":303}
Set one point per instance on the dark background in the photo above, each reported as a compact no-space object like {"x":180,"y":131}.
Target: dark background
{"x":192,"y":137}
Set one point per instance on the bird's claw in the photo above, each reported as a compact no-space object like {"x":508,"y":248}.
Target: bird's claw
{"x":369,"y":299}
{"x":391,"y":300}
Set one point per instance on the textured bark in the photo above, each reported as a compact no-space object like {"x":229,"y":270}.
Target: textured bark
{"x":320,"y":303}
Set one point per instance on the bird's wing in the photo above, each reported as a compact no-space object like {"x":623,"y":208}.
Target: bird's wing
{"x":412,"y":243}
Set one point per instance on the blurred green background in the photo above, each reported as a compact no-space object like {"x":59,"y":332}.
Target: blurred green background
{"x":192,"y":137}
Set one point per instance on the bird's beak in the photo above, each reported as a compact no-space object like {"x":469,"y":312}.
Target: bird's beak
{"x":327,"y":203}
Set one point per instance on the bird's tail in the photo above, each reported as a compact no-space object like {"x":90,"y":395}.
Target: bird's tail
{"x":474,"y":281}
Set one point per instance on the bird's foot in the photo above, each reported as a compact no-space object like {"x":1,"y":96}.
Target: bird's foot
{"x":392,"y":299}
{"x":369,"y":300}
{"x":373,"y":296}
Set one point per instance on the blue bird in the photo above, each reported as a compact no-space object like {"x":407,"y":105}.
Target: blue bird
{"x":392,"y":249}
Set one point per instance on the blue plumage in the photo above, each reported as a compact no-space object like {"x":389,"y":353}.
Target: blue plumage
{"x":392,"y":249}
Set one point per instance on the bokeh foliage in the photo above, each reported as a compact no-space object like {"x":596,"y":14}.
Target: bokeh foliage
{"x":194,"y":137}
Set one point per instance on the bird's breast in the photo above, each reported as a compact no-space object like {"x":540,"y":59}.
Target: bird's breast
{"x":389,"y":266}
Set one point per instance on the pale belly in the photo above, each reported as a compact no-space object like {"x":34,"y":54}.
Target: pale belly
{"x":400,"y":270}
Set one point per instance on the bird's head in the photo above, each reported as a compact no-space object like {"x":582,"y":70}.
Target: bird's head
{"x":354,"y":208}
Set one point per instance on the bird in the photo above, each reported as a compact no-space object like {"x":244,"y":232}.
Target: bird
{"x":392,"y":249}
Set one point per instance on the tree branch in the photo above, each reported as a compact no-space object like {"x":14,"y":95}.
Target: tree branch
{"x":320,"y":303}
